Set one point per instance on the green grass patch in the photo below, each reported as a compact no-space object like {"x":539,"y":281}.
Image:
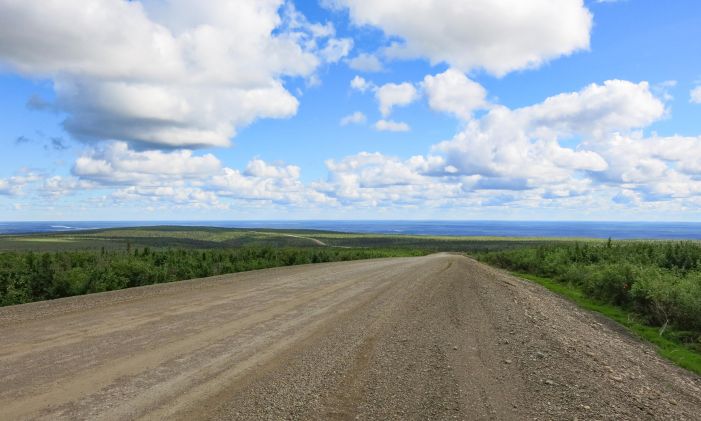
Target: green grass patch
{"x":667,"y":345}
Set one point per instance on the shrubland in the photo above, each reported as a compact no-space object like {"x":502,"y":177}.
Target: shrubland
{"x":659,"y":282}
{"x":31,"y":276}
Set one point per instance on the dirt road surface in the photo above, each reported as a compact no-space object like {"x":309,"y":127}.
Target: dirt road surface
{"x":435,"y":337}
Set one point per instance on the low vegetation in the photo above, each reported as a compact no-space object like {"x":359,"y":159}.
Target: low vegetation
{"x":653,"y":288}
{"x":162,"y":237}
{"x":31,"y":276}
{"x":44,"y":266}
{"x":657,"y":282}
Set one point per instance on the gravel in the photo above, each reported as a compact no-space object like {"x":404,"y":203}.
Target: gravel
{"x":435,"y":337}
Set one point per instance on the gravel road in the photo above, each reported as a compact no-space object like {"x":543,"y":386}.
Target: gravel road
{"x":435,"y":337}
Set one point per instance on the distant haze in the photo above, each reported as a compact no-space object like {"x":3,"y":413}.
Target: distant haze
{"x":573,"y":229}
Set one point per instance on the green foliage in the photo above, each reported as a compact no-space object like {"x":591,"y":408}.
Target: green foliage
{"x":673,"y":345}
{"x":29,"y":276}
{"x":658,"y":281}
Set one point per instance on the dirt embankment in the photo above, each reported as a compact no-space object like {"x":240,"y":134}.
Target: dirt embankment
{"x":436,"y":337}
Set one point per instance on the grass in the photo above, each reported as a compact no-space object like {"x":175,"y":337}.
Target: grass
{"x":672,"y":349}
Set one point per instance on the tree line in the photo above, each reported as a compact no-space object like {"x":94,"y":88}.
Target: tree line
{"x":28,"y":276}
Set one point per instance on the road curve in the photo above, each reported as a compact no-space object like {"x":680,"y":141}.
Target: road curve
{"x":435,"y":337}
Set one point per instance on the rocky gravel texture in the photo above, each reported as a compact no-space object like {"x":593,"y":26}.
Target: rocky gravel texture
{"x":435,"y":337}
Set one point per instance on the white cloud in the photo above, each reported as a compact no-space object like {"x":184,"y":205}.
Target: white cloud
{"x":354,"y":118}
{"x":261,"y":169}
{"x":360,"y":84}
{"x":365,"y":62}
{"x":373,"y":179}
{"x":695,"y":95}
{"x":391,"y":95}
{"x":615,"y":105}
{"x":9,"y":188}
{"x":183,"y":179}
{"x":58,"y":186}
{"x":336,"y":49}
{"x":14,"y":185}
{"x":261,"y":181}
{"x":499,"y":36}
{"x":452,"y":92}
{"x":178,"y":74}
{"x":168,"y":197}
{"x":388,"y":95}
{"x":504,"y":155}
{"x":514,"y":158}
{"x":391,"y":126}
{"x":506,"y":158}
{"x":116,"y":163}
{"x":521,"y":147}
{"x":658,"y":167}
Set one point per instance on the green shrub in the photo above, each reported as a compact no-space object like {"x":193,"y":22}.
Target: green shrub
{"x":659,"y":280}
{"x":26,"y":277}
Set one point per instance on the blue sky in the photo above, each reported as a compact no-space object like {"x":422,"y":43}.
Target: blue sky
{"x":235,"y":110}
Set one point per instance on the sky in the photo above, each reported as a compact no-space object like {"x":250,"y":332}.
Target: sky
{"x":350,"y":109}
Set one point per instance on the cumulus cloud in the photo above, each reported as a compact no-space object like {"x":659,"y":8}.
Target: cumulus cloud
{"x":388,"y":95}
{"x":656,"y":166}
{"x":516,"y":157}
{"x":336,"y":49}
{"x":176,"y":74}
{"x":360,"y":84}
{"x":183,"y":74}
{"x":391,"y":126}
{"x":7,"y":187}
{"x":452,"y":92}
{"x":262,"y":181}
{"x":354,"y":118}
{"x":391,"y":95}
{"x":505,"y":156}
{"x":117,"y":164}
{"x":14,"y":185}
{"x":521,"y":147}
{"x":374,"y":179}
{"x":261,"y":169}
{"x":695,"y":95}
{"x":365,"y":62}
{"x":58,"y":186}
{"x":614,"y":105}
{"x":169,"y":197}
{"x":499,"y":36}
{"x":181,"y":178}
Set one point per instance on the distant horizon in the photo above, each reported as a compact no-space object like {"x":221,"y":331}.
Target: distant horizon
{"x":475,"y":228}
{"x":360,"y":220}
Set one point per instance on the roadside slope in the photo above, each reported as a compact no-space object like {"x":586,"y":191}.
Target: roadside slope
{"x":436,"y":337}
